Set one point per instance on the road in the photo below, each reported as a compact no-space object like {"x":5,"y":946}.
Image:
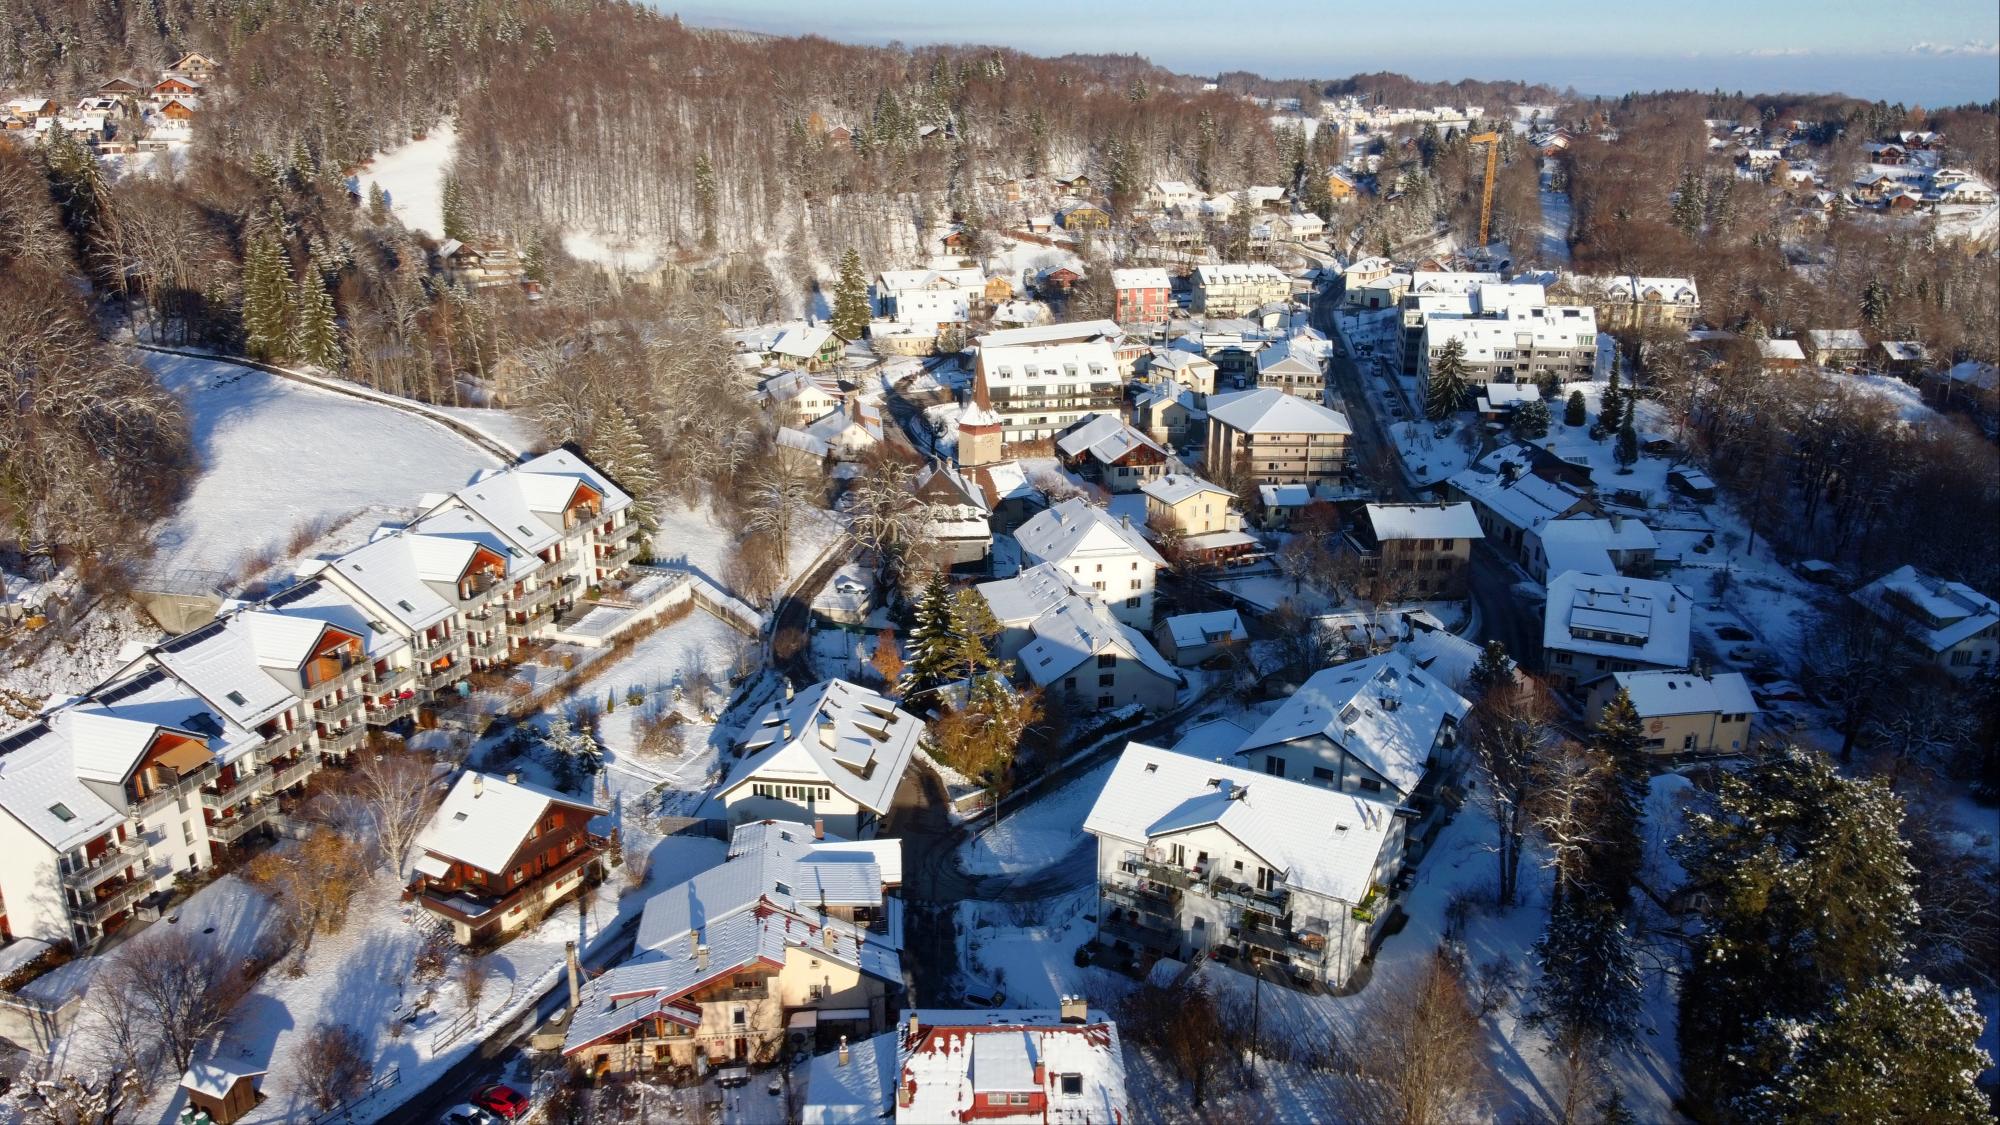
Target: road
{"x":1373,"y":449}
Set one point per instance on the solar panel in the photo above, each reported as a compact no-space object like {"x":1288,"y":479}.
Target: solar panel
{"x":23,"y":737}
{"x":190,"y":639}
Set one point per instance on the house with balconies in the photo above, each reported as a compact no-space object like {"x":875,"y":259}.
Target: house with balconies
{"x":831,"y":755}
{"x":560,"y":509}
{"x":1200,"y":858}
{"x":1104,"y":552}
{"x":499,"y":852}
{"x":795,"y":935}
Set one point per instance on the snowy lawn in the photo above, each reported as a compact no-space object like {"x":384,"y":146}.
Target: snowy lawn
{"x":278,"y":455}
{"x":692,"y":539}
{"x":1430,"y":458}
{"x":412,"y":176}
{"x":507,"y":427}
{"x":1027,"y":950}
{"x":1574,"y":444}
{"x":1044,"y":832}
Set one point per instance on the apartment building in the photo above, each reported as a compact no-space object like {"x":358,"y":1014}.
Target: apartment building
{"x":1041,"y":380}
{"x":929,"y":297}
{"x":1235,"y":289}
{"x":1682,"y":713}
{"x":1524,"y":345}
{"x":832,"y":755}
{"x":1102,"y":551}
{"x":1949,"y":624}
{"x":1281,"y":438}
{"x":1200,"y":858}
{"x":1626,"y":302}
{"x":1065,"y":640}
{"x":1294,"y":369}
{"x":1141,"y":296}
{"x":1417,"y":549}
{"x":1596,"y":624}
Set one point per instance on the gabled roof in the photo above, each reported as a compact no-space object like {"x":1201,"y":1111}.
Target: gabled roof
{"x":1192,"y":630}
{"x":484,"y":819}
{"x":843,"y":734}
{"x":802,"y":342}
{"x":216,"y":1078}
{"x":1269,"y":410}
{"x":942,"y":483}
{"x":1935,"y":613}
{"x":1424,"y":521}
{"x":1659,"y":694}
{"x":1174,"y":488}
{"x":1325,"y":842}
{"x":1074,"y":527}
{"x":1383,"y":710}
{"x":781,"y":864}
{"x":1104,"y":438}
{"x":1633,"y":619}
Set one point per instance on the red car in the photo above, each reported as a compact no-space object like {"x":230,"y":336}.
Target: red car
{"x":503,"y":1100}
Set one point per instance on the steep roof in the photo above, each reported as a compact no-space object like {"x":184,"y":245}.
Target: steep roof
{"x":1383,"y":710}
{"x":781,"y":864}
{"x":1074,"y":527}
{"x":1935,"y":613}
{"x":1269,"y":410}
{"x":841,"y":733}
{"x":484,"y":819}
{"x":956,"y":1058}
{"x":1174,"y":488}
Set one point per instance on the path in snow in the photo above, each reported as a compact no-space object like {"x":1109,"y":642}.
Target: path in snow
{"x":1555,"y":220}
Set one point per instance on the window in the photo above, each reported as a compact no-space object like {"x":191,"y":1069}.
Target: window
{"x":740,"y":1017}
{"x":1321,"y":773}
{"x":1370,"y":784}
{"x":1563,"y":658}
{"x":1132,"y":603}
{"x":1274,"y":766}
{"x":996,"y":1099}
{"x":1137,"y":585}
{"x":61,"y":812}
{"x":1107,"y":660}
{"x":1106,"y":702}
{"x":1069,"y":682}
{"x":520,"y":873}
{"x":1107,"y":679}
{"x":1018,"y":1099}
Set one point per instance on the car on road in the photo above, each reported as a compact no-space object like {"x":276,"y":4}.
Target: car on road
{"x":467,"y":1114}
{"x":504,"y":1102}
{"x":732,"y":1077}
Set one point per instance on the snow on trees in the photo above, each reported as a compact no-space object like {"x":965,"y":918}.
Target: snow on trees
{"x":1446,"y":384}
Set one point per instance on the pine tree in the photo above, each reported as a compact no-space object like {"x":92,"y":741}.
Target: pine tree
{"x":1689,"y":203}
{"x":1586,"y":993}
{"x":932,"y":657}
{"x":1531,"y":419}
{"x":972,"y":630}
{"x":621,"y":449}
{"x":1616,"y":861}
{"x":1494,"y":667}
{"x":456,"y":213}
{"x":1626,"y":451}
{"x":1805,"y":886}
{"x":1875,"y":307}
{"x":267,"y":297}
{"x":1575,"y":413}
{"x":315,"y":337}
{"x":1610,"y":406}
{"x":1892,"y":1051}
{"x":1446,"y":384}
{"x":378,"y":204}
{"x":850,"y":298}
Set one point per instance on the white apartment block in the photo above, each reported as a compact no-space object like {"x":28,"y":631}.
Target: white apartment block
{"x":1102,"y":551}
{"x":1522,"y":346}
{"x":1235,"y":289}
{"x":1043,"y":379}
{"x":929,"y":297}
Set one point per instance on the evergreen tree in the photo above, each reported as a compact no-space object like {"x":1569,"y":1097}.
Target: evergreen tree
{"x":933,"y":657}
{"x":457,"y":213}
{"x":972,"y":630}
{"x":1494,"y":667}
{"x":315,"y":337}
{"x":1575,"y":413}
{"x":850,"y":298}
{"x":1891,"y":1051}
{"x":1804,"y":883}
{"x":1875,"y":308}
{"x":378,"y":204}
{"x":1610,"y":407}
{"x":1531,"y":419}
{"x":704,"y":198}
{"x":267,"y":297}
{"x":1444,"y":390}
{"x":1689,"y":203}
{"x":1626,"y":451}
{"x":1586,"y":993}
{"x":1616,"y":860}
{"x":623,"y":452}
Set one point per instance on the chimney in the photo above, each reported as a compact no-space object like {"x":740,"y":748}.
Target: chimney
{"x":826,"y":937}
{"x":843,"y":1050}
{"x":513,"y":778}
{"x":701,"y":958}
{"x":478,"y":785}
{"x":1075,"y":1009}
{"x":694,"y":943}
{"x":1617,"y":521}
{"x":914,"y":1028}
{"x":788,"y":690}
{"x":819,"y":828}
{"x":575,"y":975}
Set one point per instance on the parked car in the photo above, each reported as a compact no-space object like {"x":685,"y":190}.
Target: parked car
{"x":467,"y":1114}
{"x":504,"y":1102}
{"x":731,"y":1077}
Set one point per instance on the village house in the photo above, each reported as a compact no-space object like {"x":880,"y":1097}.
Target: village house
{"x":1279,"y":504}
{"x":796,"y":398}
{"x":174,"y":86}
{"x":1100,"y":550}
{"x":1595,"y":624}
{"x":1010,"y":495}
{"x":197,"y":66}
{"x":959,"y":519}
{"x":1187,"y":639}
{"x":1199,"y":858}
{"x":31,"y":108}
{"x":1084,"y":216}
{"x":1680,"y":712}
{"x":806,"y":348}
{"x":1341,"y":186}
{"x":997,"y":290}
{"x":1141,"y":296}
{"x":832,"y":755}
{"x":1063,"y":639}
{"x":1904,"y":358}
{"x":1201,"y":514}
{"x":1610,"y":544}
{"x":1236,"y":288}
{"x":1627,"y":302}
{"x":1190,"y":369}
{"x":1172,"y":193}
{"x":1292,"y":369}
{"x":794,"y":939}
{"x":1106,"y":449}
{"x":1168,"y":413}
{"x":474,"y":265}
{"x":1950,"y":625}
{"x":1277,"y":438}
{"x":1416,"y":550}
{"x":929,"y":297}
{"x":1837,"y":347}
{"x":498,"y":853}
{"x":1041,"y":380}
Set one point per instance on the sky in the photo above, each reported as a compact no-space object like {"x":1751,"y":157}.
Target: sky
{"x":1919,"y":52}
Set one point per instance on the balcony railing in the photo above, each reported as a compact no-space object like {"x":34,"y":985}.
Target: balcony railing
{"x":493,"y":647}
{"x":521,"y":603}
{"x":292,"y":773}
{"x":116,"y":858}
{"x":247,"y":785}
{"x":477,"y":910}
{"x":229,"y":829}
{"x":1245,"y":895}
{"x":755,"y":992}
{"x":1309,"y":946}
{"x":343,"y":740}
{"x":388,"y":713}
{"x":428,"y":651}
{"x":131,"y":891}
{"x":338,"y":712}
{"x":1146,"y":937}
{"x":1154,"y":898}
{"x":397,"y":676}
{"x":181,"y":788}
{"x":284,"y":742}
{"x":1167,"y":873}
{"x":621,"y":556}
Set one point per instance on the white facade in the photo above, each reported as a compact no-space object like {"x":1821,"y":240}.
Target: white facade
{"x":1235,"y":289}
{"x":1101,"y":551}
{"x":1043,"y":379}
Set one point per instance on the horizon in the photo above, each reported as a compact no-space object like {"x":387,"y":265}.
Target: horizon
{"x":1933,"y":55}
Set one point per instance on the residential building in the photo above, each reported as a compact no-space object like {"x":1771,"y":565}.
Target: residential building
{"x":1277,"y":504}
{"x":1168,"y":413}
{"x":1187,"y":639}
{"x":1200,"y":858}
{"x":1104,"y":447}
{"x":1417,"y":550}
{"x":1682,"y":713}
{"x":1292,"y":369}
{"x":929,"y":297}
{"x":831,"y":755}
{"x":1628,"y":302}
{"x":1781,"y":355}
{"x":1190,"y":505}
{"x":1236,"y":288}
{"x":1102,"y":551}
{"x":1949,"y":624}
{"x":1611,"y":544}
{"x":1010,"y":495}
{"x":1066,"y":641}
{"x":1837,"y":347}
{"x":795,"y":935}
{"x":1522,"y":345}
{"x":1906,"y":358}
{"x":1172,"y":193}
{"x":806,"y":348}
{"x":1594,"y":624}
{"x":1141,"y":296}
{"x":958,"y":514}
{"x":472,"y":265}
{"x":499,"y":852}
{"x":1190,"y":369}
{"x":1280,"y":438}
{"x":796,"y":398}
{"x":1041,"y":380}
{"x":1084,"y":216}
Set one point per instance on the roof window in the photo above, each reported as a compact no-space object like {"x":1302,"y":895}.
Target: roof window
{"x":61,"y":812}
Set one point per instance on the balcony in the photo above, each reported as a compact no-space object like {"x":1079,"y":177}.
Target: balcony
{"x":754,"y":992}
{"x":395,"y":679}
{"x":1141,"y":935}
{"x":284,"y":742}
{"x":229,"y":829}
{"x":428,"y":651}
{"x":343,"y":740}
{"x":1178,"y":878}
{"x":119,"y":898}
{"x":478,"y":910}
{"x":401,"y":708}
{"x":522,"y":625}
{"x":291,"y":773}
{"x":493,"y":647}
{"x":187,"y":783}
{"x":1154,"y":898}
{"x":612,"y":560}
{"x":1307,"y":946}
{"x":114,"y":860}
{"x":333,"y":714}
{"x":1249,"y":897}
{"x":540,"y":595}
{"x":245,"y":786}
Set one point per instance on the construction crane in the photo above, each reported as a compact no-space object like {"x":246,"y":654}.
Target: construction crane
{"x":1492,"y":143}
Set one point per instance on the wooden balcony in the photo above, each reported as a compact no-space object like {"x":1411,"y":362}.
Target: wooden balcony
{"x":481,"y":910}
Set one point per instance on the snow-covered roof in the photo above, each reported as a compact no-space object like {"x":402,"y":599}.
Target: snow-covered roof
{"x":956,"y":1059}
{"x":843,"y":734}
{"x":215,"y":1078}
{"x":322,"y":601}
{"x":525,"y":503}
{"x":1935,"y":613}
{"x":1528,"y":502}
{"x":1069,"y":624}
{"x":1074,"y":332}
{"x":859,"y":1089}
{"x":1269,"y":410}
{"x":1658,"y":693}
{"x":1781,"y":349}
{"x":1633,"y":619}
{"x":1586,"y":543}
{"x":1448,"y":657}
{"x":1284,"y":495}
{"x":802,"y":341}
{"x":1907,"y":351}
{"x":1837,"y":339}
{"x":484,"y":819}
{"x":1105,"y":438}
{"x":39,"y":787}
{"x":1175,"y":488}
{"x":1076,"y":528}
{"x":1285,"y":357}
{"x":774,"y":863}
{"x":1179,"y":359}
{"x":1239,"y":273}
{"x":1383,"y":710}
{"x":1424,"y":521}
{"x":1499,"y":395}
{"x":1148,"y":278}
{"x":1031,"y":593}
{"x":1007,"y":481}
{"x":1192,"y":630}
{"x":1325,"y":842}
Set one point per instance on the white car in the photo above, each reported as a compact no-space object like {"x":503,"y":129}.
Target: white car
{"x":467,"y":1114}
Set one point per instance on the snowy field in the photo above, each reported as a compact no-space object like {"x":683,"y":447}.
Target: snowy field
{"x":412,"y":176}
{"x":1038,"y":835}
{"x":1556,"y":211}
{"x":693,"y":539}
{"x":277,"y":455}
{"x":507,"y":427}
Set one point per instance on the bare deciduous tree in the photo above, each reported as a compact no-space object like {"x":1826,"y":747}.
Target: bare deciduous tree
{"x":399,"y":792}
{"x":333,"y":1065}
{"x":1425,"y":1048}
{"x":182,"y":989}
{"x":1510,"y":732}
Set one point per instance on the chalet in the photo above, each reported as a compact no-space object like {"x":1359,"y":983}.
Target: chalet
{"x":499,"y":852}
{"x":477,"y":265}
{"x":994,"y":1067}
{"x":1948,"y":624}
{"x":174,"y":86}
{"x":792,"y":940}
{"x":197,"y":66}
{"x":1890,"y":153}
{"x":1683,"y":713}
{"x":1341,"y":185}
{"x":832,"y":755}
{"x":1103,"y":446}
{"x":1084,"y":217}
{"x":1837,"y":347}
{"x":1919,"y":140}
{"x":997,"y":289}
{"x":1781,"y":355}
{"x":1063,"y":639}
{"x":1901,"y":357}
{"x":30,"y":109}
{"x":806,"y":348}
{"x":1057,"y":279}
{"x":120,"y":88}
{"x":1903,"y":200}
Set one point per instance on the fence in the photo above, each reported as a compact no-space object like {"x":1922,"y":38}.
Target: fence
{"x":344,"y":1111}
{"x":446,"y":1035}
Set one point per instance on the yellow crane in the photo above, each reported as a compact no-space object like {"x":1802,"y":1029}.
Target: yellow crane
{"x":1492,"y":143}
